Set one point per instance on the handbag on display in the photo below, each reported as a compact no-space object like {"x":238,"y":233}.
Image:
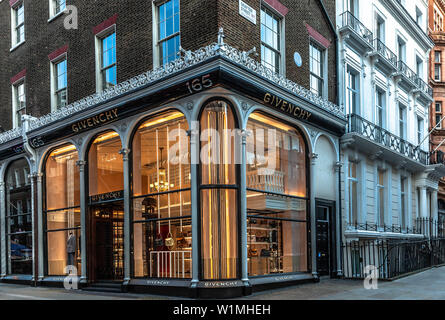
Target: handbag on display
{"x":253,"y":253}
{"x":266,"y":253}
{"x":169,"y":241}
{"x":159,"y":242}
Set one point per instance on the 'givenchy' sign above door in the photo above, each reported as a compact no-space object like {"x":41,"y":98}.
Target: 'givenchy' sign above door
{"x":96,"y":121}
{"x":286,"y":107}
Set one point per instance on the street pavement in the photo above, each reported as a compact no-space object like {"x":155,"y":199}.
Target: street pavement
{"x":428,"y":285}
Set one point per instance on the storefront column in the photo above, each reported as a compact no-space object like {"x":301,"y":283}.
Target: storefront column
{"x":423,"y":204}
{"x":3,"y":250}
{"x":243,"y":209}
{"x":313,"y":221}
{"x":194,"y":145}
{"x":127,"y":227}
{"x":35,"y":230}
{"x":40,"y":237}
{"x":338,"y":241}
{"x":83,"y":220}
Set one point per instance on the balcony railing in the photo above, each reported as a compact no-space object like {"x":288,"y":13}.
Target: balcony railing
{"x":407,"y":72}
{"x":429,"y":228}
{"x":385,"y":52}
{"x":367,"y":129}
{"x":349,"y":20}
{"x":424,"y":87}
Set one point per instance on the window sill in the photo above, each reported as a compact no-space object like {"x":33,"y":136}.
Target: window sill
{"x":16,"y":46}
{"x":56,"y":16}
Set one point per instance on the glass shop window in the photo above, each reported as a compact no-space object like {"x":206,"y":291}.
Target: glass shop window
{"x":105,"y":165}
{"x":162,"y":230}
{"x":19,"y":218}
{"x":219,"y":193}
{"x":276,"y":198}
{"x":62,"y":211}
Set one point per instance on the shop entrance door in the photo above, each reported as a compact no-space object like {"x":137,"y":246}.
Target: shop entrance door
{"x":325,"y":231}
{"x":107,"y":237}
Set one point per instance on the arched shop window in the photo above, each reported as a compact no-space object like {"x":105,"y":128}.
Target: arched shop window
{"x":162,"y":232}
{"x":219,"y":193}
{"x":106,"y":208}
{"x":276,"y":198}
{"x":19,"y":218}
{"x":62,"y":211}
{"x":105,"y":167}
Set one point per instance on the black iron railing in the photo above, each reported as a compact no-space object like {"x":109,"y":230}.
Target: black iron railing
{"x":391,"y":258}
{"x":385,"y":52}
{"x":350,"y":21}
{"x":383,"y":137}
{"x":429,"y":228}
{"x":403,"y":69}
{"x":424,"y":87}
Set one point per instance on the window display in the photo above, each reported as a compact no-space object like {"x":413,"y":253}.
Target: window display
{"x":219,"y":193}
{"x":62,"y":211}
{"x":276,"y":198}
{"x":161,"y":198}
{"x":19,"y":218}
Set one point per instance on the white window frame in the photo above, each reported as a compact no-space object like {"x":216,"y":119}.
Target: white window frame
{"x":52,"y":7}
{"x":324,"y":66}
{"x":15,"y":108}
{"x":404,"y":202}
{"x":381,"y":201}
{"x":438,"y":114}
{"x":98,"y":47}
{"x":53,"y":75}
{"x":14,"y":26}
{"x":382,"y":107}
{"x":156,"y":33}
{"x":357,"y":91}
{"x":402,"y":108}
{"x":281,"y":39}
{"x":356,"y":181}
{"x":420,"y":129}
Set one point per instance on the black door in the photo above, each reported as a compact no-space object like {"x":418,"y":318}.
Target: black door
{"x":323,"y":243}
{"x":104,"y":250}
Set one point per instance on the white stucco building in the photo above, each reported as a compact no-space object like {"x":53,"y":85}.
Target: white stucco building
{"x":389,"y":190}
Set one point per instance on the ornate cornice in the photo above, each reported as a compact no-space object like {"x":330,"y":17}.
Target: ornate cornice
{"x":188,"y":60}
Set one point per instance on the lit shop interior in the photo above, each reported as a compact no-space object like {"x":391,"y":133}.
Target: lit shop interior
{"x":161,"y":202}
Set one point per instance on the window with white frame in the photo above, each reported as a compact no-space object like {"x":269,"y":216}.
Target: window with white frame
{"x":381,"y":198}
{"x":353,"y":193}
{"x":60,"y":83}
{"x":419,"y":17}
{"x":403,"y":205}
{"x":380,"y":110}
{"x":419,"y":130}
{"x":438,"y":114}
{"x":57,"y":6}
{"x":401,"y":49}
{"x":380,"y":29}
{"x":270,"y":40}
{"x":18,"y":103}
{"x":437,"y":66}
{"x":353,"y":92}
{"x":18,"y":23}
{"x":317,"y":69}
{"x":106,"y":60}
{"x":168,"y":25}
{"x":402,"y":121}
{"x":419,"y":66}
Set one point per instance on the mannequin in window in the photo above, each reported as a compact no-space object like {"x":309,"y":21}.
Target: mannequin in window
{"x":71,"y":248}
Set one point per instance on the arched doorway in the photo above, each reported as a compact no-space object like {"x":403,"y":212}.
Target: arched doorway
{"x":106,"y":209}
{"x":18,"y":219}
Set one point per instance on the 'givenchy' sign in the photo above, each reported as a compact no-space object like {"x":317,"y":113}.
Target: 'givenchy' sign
{"x":286,"y":107}
{"x":95,"y":121}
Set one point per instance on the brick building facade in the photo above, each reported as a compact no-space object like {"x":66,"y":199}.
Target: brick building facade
{"x":95,"y":168}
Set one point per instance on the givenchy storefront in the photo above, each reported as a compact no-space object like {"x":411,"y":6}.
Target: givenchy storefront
{"x":200,"y":184}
